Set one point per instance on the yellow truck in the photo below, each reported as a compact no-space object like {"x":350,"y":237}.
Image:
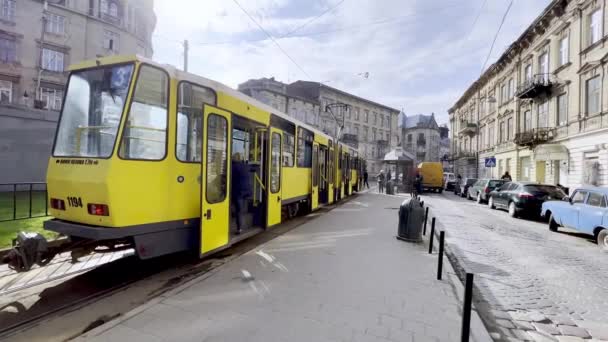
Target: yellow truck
{"x":432,"y":176}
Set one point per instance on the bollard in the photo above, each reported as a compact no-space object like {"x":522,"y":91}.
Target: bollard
{"x":440,"y":259}
{"x":426,"y":217}
{"x":432,"y":235}
{"x":466,"y":308}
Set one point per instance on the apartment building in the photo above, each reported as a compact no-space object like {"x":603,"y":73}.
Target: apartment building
{"x":40,"y":39}
{"x":420,"y":135}
{"x":541,"y":111}
{"x":368,"y":126}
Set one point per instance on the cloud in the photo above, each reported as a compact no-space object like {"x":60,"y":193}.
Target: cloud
{"x":421,"y":55}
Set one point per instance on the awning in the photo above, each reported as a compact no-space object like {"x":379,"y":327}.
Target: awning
{"x":398,"y":154}
{"x":549,"y":152}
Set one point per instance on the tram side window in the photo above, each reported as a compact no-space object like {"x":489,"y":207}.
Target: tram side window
{"x":145,"y":133}
{"x":288,"y":149}
{"x":217,"y":149}
{"x":304,"y":150}
{"x":190,"y":99}
{"x":275,"y":169}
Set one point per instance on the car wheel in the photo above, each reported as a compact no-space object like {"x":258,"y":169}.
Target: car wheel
{"x":491,"y":203}
{"x":512,"y":211}
{"x":469,"y":196}
{"x":552,"y":224}
{"x":602,"y":240}
{"x":479,"y":200}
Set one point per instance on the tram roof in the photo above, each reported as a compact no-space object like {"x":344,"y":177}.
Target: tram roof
{"x":187,"y":76}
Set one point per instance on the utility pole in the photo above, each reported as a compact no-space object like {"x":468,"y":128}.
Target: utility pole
{"x":42,"y":31}
{"x":186,"y":47}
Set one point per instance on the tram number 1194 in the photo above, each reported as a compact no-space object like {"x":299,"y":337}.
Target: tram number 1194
{"x":75,"y":201}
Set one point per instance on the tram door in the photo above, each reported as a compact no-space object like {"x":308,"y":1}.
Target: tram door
{"x":215,"y":173}
{"x":315,"y":176}
{"x":331,"y":174}
{"x":274,"y":178}
{"x":323,"y":177}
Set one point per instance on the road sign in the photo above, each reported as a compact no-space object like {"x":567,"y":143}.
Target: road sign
{"x":491,"y":162}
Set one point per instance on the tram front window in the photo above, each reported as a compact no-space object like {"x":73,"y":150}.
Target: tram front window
{"x":91,"y":114}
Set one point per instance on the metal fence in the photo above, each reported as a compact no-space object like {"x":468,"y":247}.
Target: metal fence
{"x":23,"y":201}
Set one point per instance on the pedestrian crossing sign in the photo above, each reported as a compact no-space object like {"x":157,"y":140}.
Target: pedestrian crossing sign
{"x":491,"y":162}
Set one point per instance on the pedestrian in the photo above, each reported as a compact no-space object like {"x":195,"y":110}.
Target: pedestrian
{"x":381,"y":181}
{"x":365,"y":183}
{"x":457,"y":185}
{"x":506,"y":177}
{"x":240,"y":188}
{"x":418,"y":183}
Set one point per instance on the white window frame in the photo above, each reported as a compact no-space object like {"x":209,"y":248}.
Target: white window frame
{"x":564,"y":50}
{"x":8,"y":9}
{"x":543,"y":65}
{"x":53,"y":60}
{"x":588,"y":97}
{"x":10,"y":51}
{"x":111,"y":36}
{"x":51,"y":97}
{"x":6,"y":88}
{"x":528,"y":72}
{"x":595,"y":26}
{"x":55,"y":24}
{"x":564,"y":107}
{"x":543,"y":108}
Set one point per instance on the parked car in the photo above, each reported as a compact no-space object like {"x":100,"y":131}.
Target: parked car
{"x":432,"y":176}
{"x":449,"y":181}
{"x":480,"y":190}
{"x":586,"y":211}
{"x":523,"y":198}
{"x":464,"y":186}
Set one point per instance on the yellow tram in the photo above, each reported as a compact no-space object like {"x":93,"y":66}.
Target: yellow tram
{"x":144,"y":156}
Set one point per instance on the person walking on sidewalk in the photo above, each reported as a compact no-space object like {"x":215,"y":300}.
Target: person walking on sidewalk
{"x":506,"y":176}
{"x":418,"y":183}
{"x":381,"y":181}
{"x":365,"y":183}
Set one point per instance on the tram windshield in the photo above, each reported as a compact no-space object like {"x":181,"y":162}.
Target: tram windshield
{"x":91,"y":114}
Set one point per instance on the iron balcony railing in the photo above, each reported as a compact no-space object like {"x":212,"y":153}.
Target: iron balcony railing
{"x":22,"y":201}
{"x":539,"y":84}
{"x":535,"y":136}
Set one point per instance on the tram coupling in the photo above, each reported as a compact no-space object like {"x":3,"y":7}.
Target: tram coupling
{"x":29,"y":249}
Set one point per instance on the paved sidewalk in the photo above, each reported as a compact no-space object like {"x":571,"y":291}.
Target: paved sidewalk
{"x":340,"y":277}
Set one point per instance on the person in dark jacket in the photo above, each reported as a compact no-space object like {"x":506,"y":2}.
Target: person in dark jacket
{"x":506,"y":177}
{"x":240,"y":188}
{"x":365,"y":183}
{"x":381,"y":181}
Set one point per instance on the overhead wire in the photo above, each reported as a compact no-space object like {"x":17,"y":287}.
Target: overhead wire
{"x":504,"y":17}
{"x":312,"y":20}
{"x":272,"y":39}
{"x":476,"y":18}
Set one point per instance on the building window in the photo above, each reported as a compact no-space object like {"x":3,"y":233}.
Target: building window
{"x":595,"y":26}
{"x":543,"y":114}
{"x":51,"y":98}
{"x":501,"y":132}
{"x":55,"y":24}
{"x":482,"y":107}
{"x":526,"y":121}
{"x":375,"y":118}
{"x":543,"y":66}
{"x":7,"y":10}
{"x":409,"y":138}
{"x":357,"y":113}
{"x":592,"y":99}
{"x":528,"y":72}
{"x":562,"y":109}
{"x":564,"y":50}
{"x":366,"y":116}
{"x":503,"y":94}
{"x":509,"y":128}
{"x":52,"y":60}
{"x":111,"y":41}
{"x":491,"y":135}
{"x":6,"y":91}
{"x":289,"y":145}
{"x":8,"y":50}
{"x":110,"y":8}
{"x":511,"y":89}
{"x":357,"y":131}
{"x":492,"y":103}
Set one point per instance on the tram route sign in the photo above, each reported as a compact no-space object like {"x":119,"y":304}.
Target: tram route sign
{"x":491,"y":162}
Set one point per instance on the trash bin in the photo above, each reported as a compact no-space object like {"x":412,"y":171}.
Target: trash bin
{"x":411,"y":220}
{"x":390,"y":187}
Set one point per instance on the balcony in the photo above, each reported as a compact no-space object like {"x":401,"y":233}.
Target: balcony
{"x":468,"y":129}
{"x":466,"y":155}
{"x":535,"y":137}
{"x":538,"y":85}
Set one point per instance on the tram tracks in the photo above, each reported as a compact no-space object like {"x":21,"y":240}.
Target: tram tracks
{"x":62,"y":300}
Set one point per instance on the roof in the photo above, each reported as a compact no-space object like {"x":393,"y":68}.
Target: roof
{"x":601,"y":189}
{"x":399,"y":154}
{"x":309,"y":84}
{"x":419,"y":120}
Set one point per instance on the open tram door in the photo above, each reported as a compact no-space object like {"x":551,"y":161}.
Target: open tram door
{"x":274,"y":178}
{"x":323,"y":176}
{"x":215,"y":173}
{"x":330,"y":173}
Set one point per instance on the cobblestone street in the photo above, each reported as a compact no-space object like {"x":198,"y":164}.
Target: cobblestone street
{"x":535,"y":284}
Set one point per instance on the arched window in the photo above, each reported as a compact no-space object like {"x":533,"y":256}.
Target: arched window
{"x":113,"y":9}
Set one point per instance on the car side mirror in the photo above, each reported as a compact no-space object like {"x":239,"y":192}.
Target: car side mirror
{"x":568,"y":199}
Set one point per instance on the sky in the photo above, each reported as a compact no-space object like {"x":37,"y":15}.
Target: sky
{"x":419,"y":55}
